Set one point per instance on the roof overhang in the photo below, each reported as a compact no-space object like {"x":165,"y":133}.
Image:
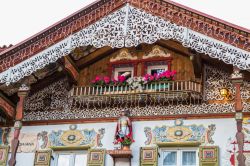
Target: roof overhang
{"x":126,"y":27}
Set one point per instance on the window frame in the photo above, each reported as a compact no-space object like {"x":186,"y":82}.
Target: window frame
{"x":179,"y":151}
{"x":145,"y":63}
{"x":152,"y":67}
{"x":72,"y":156}
{"x":120,"y":69}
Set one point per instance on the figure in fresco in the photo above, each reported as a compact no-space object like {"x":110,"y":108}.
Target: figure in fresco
{"x":148,"y":134}
{"x":99,"y":137}
{"x":124,"y":126}
{"x":209,"y":133}
{"x":4,"y":133}
{"x":42,"y":140}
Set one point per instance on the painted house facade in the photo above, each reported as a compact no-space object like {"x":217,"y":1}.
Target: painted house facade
{"x":149,"y":83}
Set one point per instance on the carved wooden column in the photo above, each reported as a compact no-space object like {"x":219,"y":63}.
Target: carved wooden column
{"x":22,"y":93}
{"x":237,"y":79}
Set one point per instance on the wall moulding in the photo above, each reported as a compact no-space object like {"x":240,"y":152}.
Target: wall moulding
{"x":138,"y":118}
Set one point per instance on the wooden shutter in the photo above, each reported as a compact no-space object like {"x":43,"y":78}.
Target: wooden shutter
{"x":4,"y":152}
{"x":209,"y":155}
{"x":96,"y":157}
{"x":42,"y":158}
{"x":149,"y":156}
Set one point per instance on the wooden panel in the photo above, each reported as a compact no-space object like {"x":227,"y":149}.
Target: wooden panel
{"x":181,"y":63}
{"x":149,"y":156}
{"x":209,"y":155}
{"x":96,"y":157}
{"x":4,"y":150}
{"x":42,"y":158}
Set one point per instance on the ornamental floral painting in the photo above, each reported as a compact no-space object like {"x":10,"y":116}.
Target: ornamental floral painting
{"x":180,"y":133}
{"x":44,"y":140}
{"x":4,"y":133}
{"x":75,"y":137}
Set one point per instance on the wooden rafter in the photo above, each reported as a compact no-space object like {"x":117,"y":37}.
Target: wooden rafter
{"x":7,"y":106}
{"x":71,"y":68}
{"x":197,"y":63}
{"x":95,"y":56}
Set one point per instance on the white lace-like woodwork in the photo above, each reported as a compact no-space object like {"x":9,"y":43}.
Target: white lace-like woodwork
{"x":128,"y":27}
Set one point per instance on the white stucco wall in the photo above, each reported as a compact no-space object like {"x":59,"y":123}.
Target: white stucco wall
{"x":225,"y":128}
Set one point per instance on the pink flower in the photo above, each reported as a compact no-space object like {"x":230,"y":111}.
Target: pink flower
{"x":119,"y":140}
{"x":173,"y":73}
{"x":121,"y":78}
{"x":106,"y":79}
{"x":147,"y":77}
{"x":98,"y":78}
{"x":151,"y":78}
{"x":158,"y":76}
{"x":167,"y":74}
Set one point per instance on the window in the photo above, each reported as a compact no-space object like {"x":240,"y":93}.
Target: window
{"x":156,"y":69}
{"x":125,"y":71}
{"x":179,"y":157}
{"x":71,"y":158}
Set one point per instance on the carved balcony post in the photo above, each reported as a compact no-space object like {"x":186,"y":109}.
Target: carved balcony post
{"x":22,"y":93}
{"x":237,"y":79}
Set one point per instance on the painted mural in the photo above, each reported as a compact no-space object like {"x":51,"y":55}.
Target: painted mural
{"x":30,"y":142}
{"x":4,"y":133}
{"x":74,"y":137}
{"x":180,"y":133}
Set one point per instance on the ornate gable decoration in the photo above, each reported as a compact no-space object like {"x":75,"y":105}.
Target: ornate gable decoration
{"x":128,"y":27}
{"x":124,"y":54}
{"x":157,"y":51}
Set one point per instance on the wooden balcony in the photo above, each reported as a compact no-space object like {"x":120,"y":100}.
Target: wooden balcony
{"x":173,"y":89}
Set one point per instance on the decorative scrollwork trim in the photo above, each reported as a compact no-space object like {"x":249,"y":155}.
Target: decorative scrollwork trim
{"x":129,"y":27}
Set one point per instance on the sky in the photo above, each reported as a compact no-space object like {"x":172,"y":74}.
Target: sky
{"x":20,"y":19}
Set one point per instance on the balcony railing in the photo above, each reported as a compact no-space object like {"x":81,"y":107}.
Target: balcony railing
{"x":173,"y":87}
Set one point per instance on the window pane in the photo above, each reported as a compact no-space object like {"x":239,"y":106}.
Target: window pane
{"x":170,"y":158}
{"x":63,"y":160}
{"x":157,"y":71}
{"x":126,"y":74}
{"x":189,"y":158}
{"x":81,"y":160}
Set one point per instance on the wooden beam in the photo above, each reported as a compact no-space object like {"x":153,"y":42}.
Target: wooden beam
{"x":71,"y":68}
{"x":197,"y":63}
{"x":95,"y":56}
{"x":237,"y":80}
{"x":7,"y":106}
{"x":22,"y":93}
{"x":174,"y":46}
